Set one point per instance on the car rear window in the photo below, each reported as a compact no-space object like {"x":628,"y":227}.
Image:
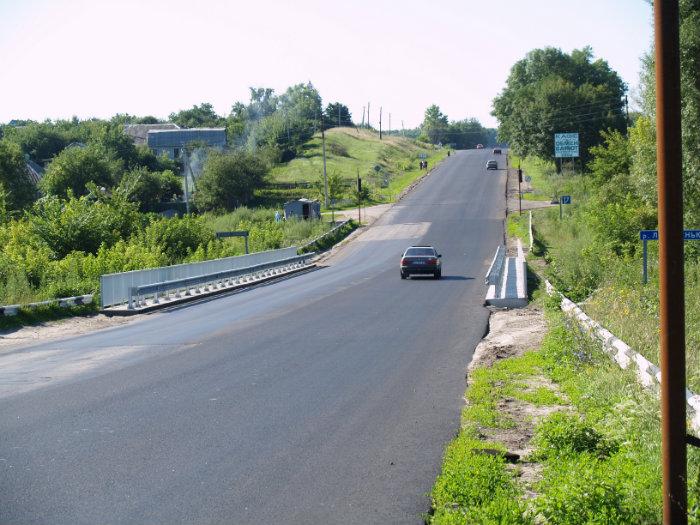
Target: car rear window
{"x":413,"y":252}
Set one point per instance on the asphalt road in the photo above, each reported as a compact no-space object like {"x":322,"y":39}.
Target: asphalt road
{"x":324,"y":398}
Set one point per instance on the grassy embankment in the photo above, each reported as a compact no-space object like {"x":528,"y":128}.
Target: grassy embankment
{"x":596,"y":455}
{"x":350,"y":151}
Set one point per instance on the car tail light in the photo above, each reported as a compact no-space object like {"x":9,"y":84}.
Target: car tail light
{"x":404,"y":261}
{"x":432,"y":260}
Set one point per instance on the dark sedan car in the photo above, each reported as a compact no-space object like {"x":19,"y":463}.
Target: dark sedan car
{"x":491,"y":165}
{"x":423,"y":260}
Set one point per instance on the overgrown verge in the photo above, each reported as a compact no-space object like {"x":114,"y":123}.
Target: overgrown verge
{"x":331,"y":238}
{"x":593,"y":255}
{"x":589,"y":442}
{"x":60,"y":248}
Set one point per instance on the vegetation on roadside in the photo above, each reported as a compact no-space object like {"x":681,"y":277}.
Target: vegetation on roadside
{"x":596,"y":451}
{"x":60,"y":248}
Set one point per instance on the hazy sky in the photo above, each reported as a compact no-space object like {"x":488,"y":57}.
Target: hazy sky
{"x":60,"y":58}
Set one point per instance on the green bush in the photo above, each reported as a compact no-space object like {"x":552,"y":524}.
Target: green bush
{"x":561,"y":434}
{"x":584,"y":490}
{"x":82,"y":224}
{"x":177,"y":238}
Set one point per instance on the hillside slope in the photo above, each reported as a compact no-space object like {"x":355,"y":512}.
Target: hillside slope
{"x":387,"y":166}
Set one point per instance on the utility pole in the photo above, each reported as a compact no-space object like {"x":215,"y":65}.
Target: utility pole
{"x":403,"y":131}
{"x":380,"y":123}
{"x":671,"y":278}
{"x":368,"y":124}
{"x":325,"y":176}
{"x":185,"y":167}
{"x":520,"y":193}
{"x":359,"y":197}
{"x":363,"y":117}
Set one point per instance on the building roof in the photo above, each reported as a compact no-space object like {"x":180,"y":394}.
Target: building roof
{"x":139,"y":132}
{"x":178,"y":138}
{"x":35,"y":172}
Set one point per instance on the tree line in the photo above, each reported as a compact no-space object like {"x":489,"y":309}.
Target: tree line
{"x":265,"y":131}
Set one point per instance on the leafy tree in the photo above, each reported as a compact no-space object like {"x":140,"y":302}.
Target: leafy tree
{"x":337,"y":114}
{"x":74,"y":167}
{"x":336,"y":187}
{"x":202,"y":116}
{"x":84,"y":223}
{"x":611,"y":158}
{"x":435,"y":125}
{"x":17,"y":189}
{"x":41,"y":142}
{"x":302,"y":102}
{"x":236,"y":123}
{"x":229,"y":180}
{"x":550,"y":91}
{"x":150,"y":188}
{"x":263,"y":103}
{"x":468,"y":133}
{"x":643,"y":138}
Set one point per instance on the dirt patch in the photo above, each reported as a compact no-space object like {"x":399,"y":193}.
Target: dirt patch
{"x":511,"y":334}
{"x":50,"y":330}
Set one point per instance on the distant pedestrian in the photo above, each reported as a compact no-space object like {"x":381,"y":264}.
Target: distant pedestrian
{"x":277,"y":216}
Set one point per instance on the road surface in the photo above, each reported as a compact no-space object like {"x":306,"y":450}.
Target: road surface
{"x":324,"y":398}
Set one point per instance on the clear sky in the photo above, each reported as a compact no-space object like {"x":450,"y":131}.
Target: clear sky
{"x":95,"y":58}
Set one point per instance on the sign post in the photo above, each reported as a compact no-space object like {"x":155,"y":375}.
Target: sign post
{"x":564,"y":199}
{"x":653,"y":235}
{"x":241,"y":233}
{"x":520,"y":193}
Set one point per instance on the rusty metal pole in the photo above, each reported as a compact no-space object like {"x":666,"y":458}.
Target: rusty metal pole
{"x":671,"y":280}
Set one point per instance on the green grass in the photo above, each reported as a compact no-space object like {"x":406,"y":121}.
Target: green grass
{"x":600,"y":459}
{"x":349,"y":152}
{"x":518,"y":226}
{"x":474,"y":487}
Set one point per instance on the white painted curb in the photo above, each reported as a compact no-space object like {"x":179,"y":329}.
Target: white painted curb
{"x":648,"y":374}
{"x":65,"y":302}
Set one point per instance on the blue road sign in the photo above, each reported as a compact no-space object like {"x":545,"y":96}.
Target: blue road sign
{"x":653,"y":235}
{"x":566,"y":199}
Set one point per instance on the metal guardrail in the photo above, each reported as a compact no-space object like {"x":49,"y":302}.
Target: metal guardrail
{"x":493,"y":276}
{"x":115,"y":288}
{"x":218,"y":279}
{"x":329,"y":232}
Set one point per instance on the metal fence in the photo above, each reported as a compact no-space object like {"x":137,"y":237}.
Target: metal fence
{"x":115,"y":287}
{"x":216,"y":280}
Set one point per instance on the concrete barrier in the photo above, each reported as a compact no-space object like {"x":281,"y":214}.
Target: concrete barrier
{"x":648,"y":374}
{"x":507,"y":281}
{"x":64,"y":302}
